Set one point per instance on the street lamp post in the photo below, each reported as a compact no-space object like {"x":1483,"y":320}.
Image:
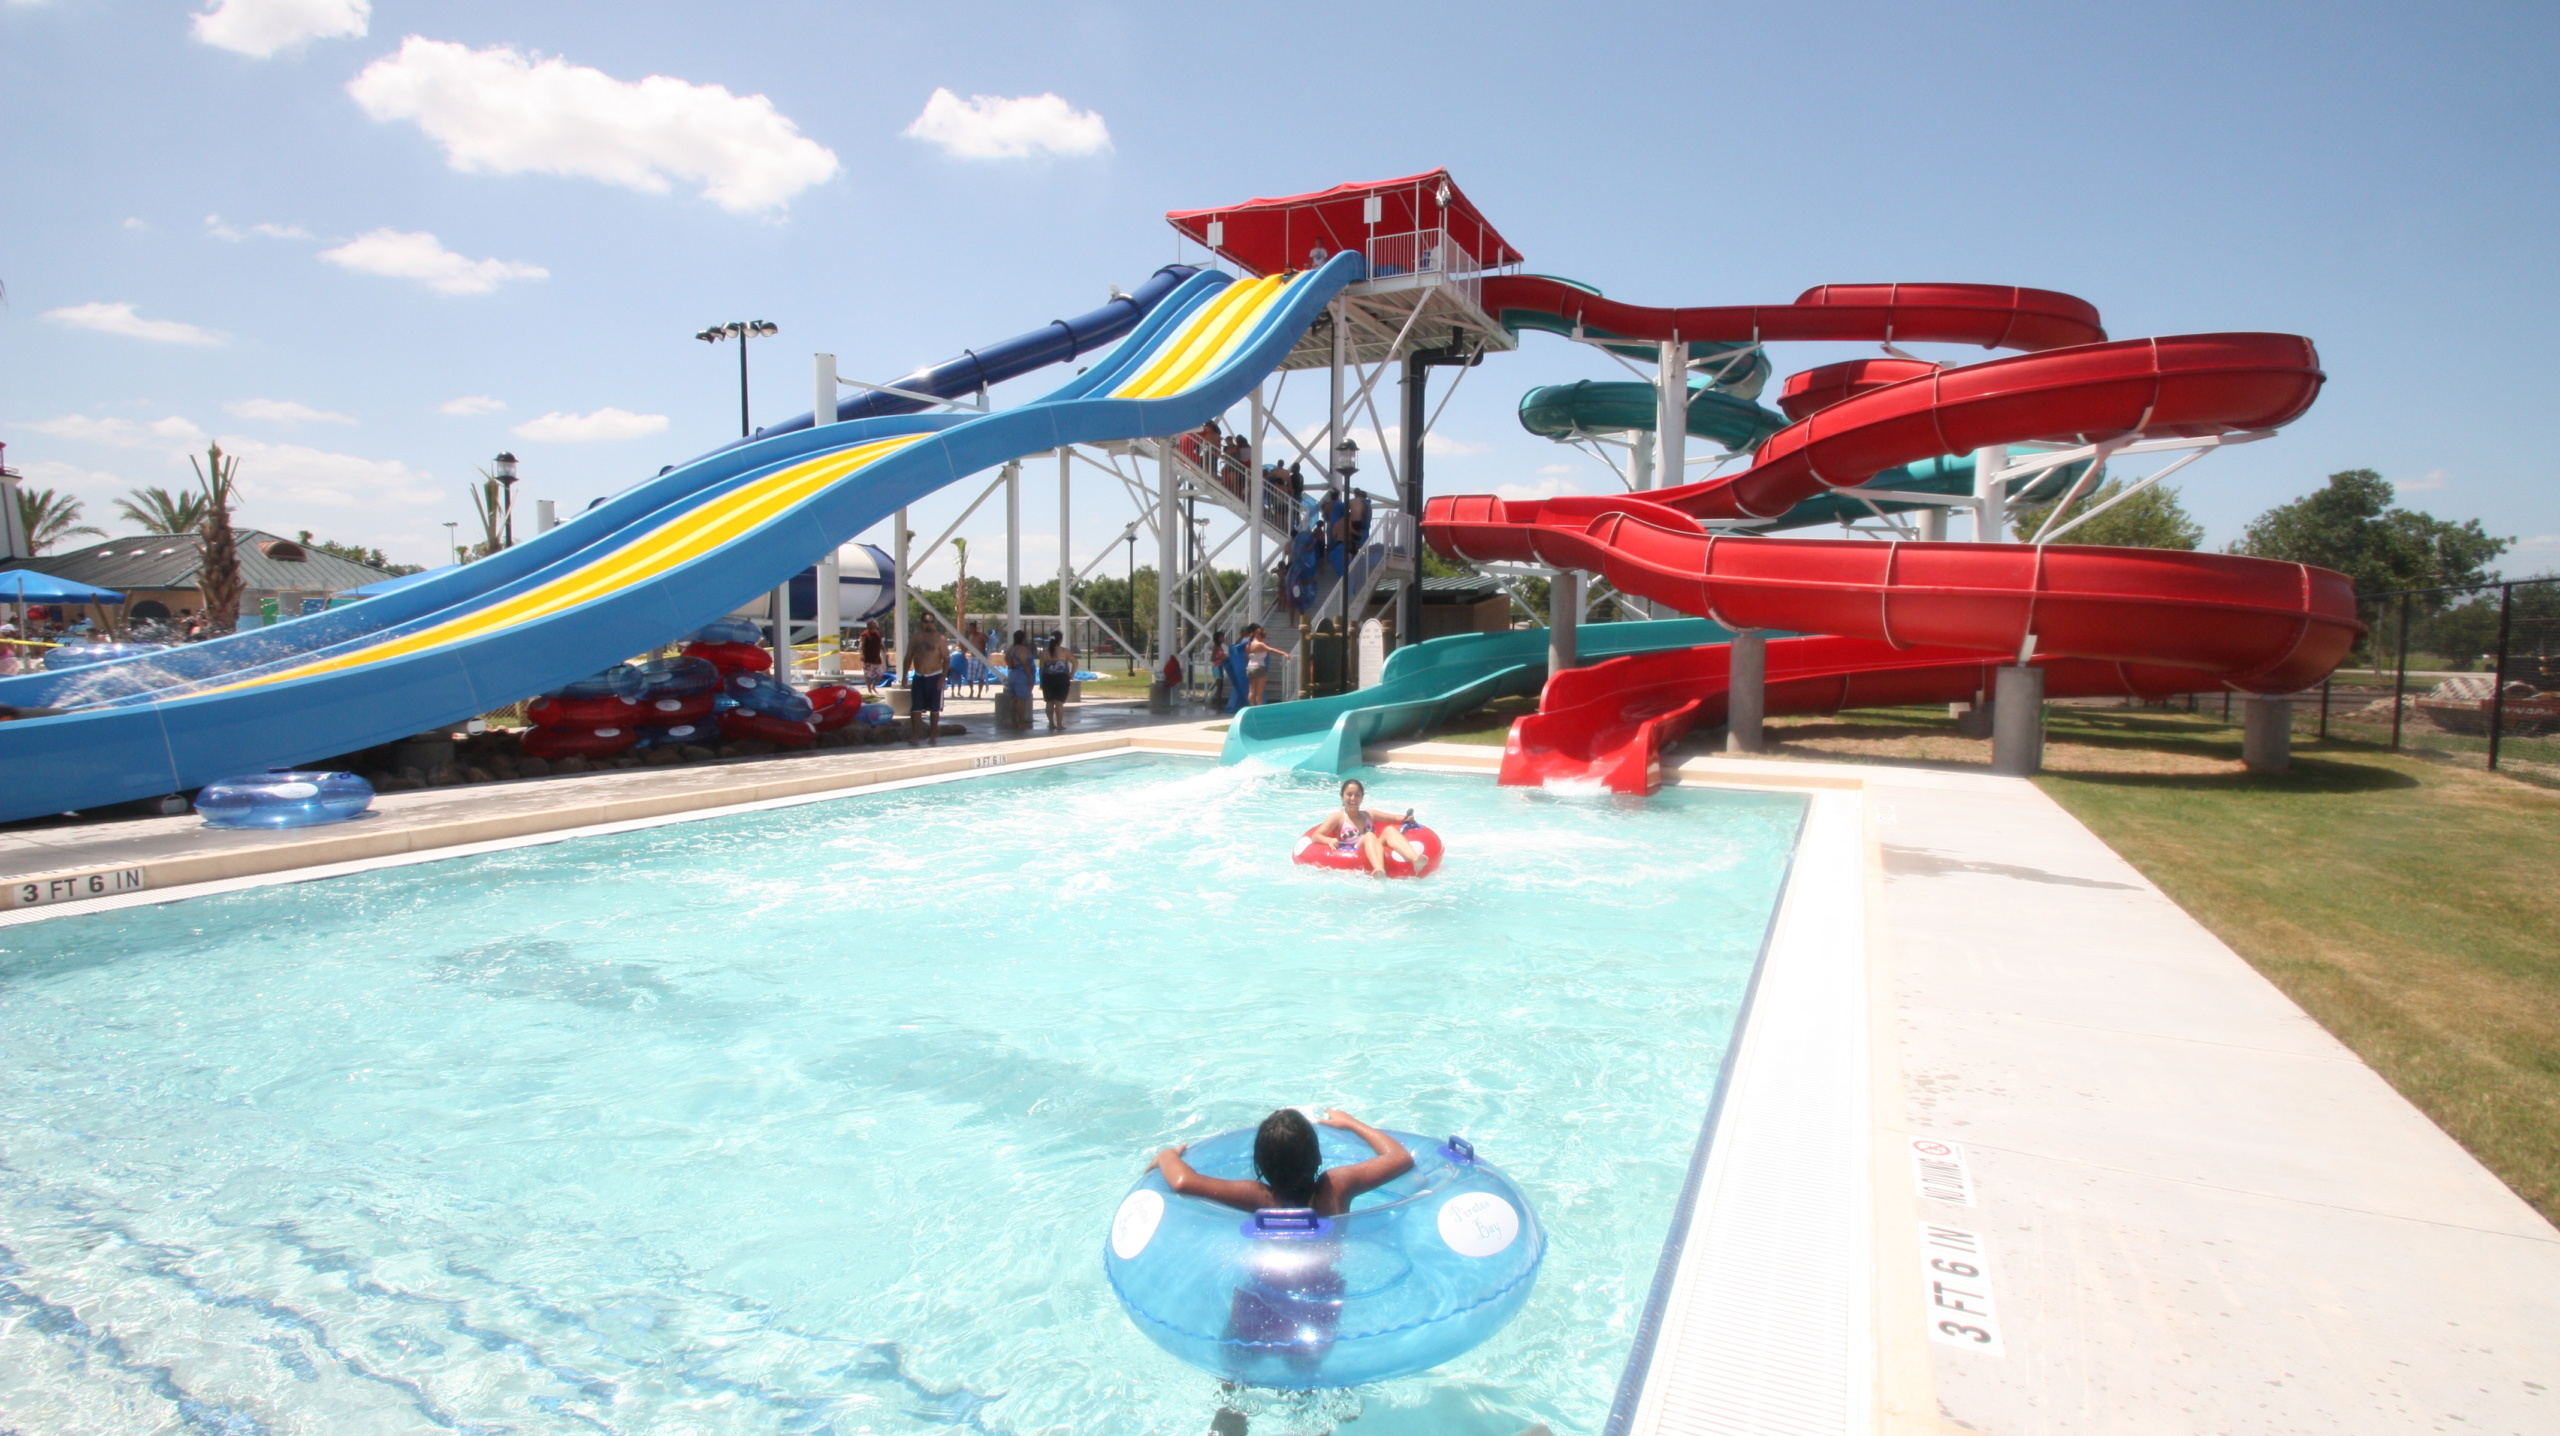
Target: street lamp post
{"x":741,"y":330}
{"x":506,"y":477}
{"x":453,"y":540}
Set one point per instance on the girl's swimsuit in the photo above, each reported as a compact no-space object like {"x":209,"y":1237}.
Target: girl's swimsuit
{"x":1348,"y":840}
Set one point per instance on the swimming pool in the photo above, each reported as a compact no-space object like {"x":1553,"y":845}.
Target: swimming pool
{"x":813,"y":1119}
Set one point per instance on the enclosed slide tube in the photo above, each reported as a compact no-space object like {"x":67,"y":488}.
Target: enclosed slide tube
{"x":783,"y":498}
{"x":596,"y":530}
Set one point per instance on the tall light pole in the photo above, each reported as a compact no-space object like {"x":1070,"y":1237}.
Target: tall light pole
{"x":506,"y":477}
{"x":741,"y":330}
{"x":453,"y":541}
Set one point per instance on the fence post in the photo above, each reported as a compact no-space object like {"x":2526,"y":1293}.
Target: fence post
{"x":2324,"y":708}
{"x":2400,"y":676}
{"x":2498,"y":675}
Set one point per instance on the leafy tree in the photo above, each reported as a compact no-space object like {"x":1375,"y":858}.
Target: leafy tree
{"x":218,"y":573}
{"x":2353,"y":527}
{"x":159,"y":511}
{"x":2152,"y":518}
{"x":358,"y":553}
{"x":49,"y":518}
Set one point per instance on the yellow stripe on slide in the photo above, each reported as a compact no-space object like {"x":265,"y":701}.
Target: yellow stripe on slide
{"x":685,"y":537}
{"x":1203,"y":338}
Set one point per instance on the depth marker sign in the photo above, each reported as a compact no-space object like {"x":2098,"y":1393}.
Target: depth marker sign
{"x":1955,"y":1275}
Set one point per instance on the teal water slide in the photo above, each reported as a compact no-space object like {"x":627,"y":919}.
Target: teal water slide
{"x":1427,"y":684}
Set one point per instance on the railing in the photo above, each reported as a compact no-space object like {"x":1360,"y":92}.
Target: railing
{"x":1428,"y":254}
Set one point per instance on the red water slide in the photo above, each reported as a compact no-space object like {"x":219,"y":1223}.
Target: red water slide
{"x":2150,"y":621}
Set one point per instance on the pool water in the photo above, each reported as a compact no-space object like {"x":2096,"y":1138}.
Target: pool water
{"x":814,"y":1119}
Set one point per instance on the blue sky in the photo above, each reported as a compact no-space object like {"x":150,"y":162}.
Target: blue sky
{"x":379,"y":253}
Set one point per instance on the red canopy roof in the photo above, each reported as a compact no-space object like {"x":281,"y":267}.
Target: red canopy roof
{"x":1269,"y":236}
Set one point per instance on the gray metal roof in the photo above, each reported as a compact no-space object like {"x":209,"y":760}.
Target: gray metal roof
{"x":151,"y":561}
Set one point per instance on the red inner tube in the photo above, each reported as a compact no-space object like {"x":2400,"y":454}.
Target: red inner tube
{"x":1316,"y":852}
{"x":788,"y":732}
{"x":585,"y":742}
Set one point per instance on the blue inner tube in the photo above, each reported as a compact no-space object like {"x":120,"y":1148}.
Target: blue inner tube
{"x":1421,"y":1270}
{"x":283,"y":800}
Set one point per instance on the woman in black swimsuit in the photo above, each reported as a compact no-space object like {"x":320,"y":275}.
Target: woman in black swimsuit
{"x":1057,"y":670}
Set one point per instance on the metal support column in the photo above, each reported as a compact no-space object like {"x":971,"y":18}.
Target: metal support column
{"x":898,"y":615}
{"x":830,"y":589}
{"x":1168,"y":553}
{"x":2017,"y":721}
{"x":1253,"y":515}
{"x":1933,"y":524}
{"x":1417,"y":415}
{"x":1671,"y":414}
{"x":1990,"y":496}
{"x":1066,"y":565}
{"x":1012,"y":548}
{"x":1746,"y":705}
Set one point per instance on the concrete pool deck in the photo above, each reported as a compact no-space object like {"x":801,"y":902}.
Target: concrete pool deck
{"x":2157,"y":1196}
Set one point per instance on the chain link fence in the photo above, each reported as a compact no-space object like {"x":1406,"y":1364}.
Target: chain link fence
{"x":2466,"y":675}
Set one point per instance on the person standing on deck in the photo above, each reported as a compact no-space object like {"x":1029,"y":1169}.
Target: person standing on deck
{"x":924,"y":685}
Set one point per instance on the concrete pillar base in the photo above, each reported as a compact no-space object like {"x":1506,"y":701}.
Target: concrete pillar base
{"x":1747,"y":695}
{"x":2266,"y":734}
{"x":1972,"y":720}
{"x":1159,"y":697}
{"x":2017,"y":722}
{"x":1564,"y":618}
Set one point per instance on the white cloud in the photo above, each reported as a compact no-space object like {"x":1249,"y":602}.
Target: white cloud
{"x":2541,"y":541}
{"x":131,"y":223}
{"x":471,"y":406}
{"x":2431,"y":479}
{"x":992,"y":127}
{"x":420,"y":256}
{"x":286,"y":479}
{"x":1548,"y":490}
{"x":285,"y":411}
{"x":499,"y":111}
{"x":214,"y":228}
{"x":120,"y":319}
{"x":1556,"y":470}
{"x":94,"y":485}
{"x":170,"y":435}
{"x":259,"y":28}
{"x":603,"y":424}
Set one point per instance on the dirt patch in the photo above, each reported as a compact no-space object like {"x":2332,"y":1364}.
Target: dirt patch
{"x":1869,"y":742}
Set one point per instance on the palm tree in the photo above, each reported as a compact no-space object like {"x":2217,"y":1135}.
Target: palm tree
{"x":162,"y":512}
{"x":218,"y":574}
{"x":49,"y":518}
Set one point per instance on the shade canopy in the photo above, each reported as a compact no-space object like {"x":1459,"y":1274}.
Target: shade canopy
{"x":1269,"y":236}
{"x":25,"y":585}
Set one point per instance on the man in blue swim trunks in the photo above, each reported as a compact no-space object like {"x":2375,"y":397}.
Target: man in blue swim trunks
{"x":924,"y":687}
{"x":1354,"y":830}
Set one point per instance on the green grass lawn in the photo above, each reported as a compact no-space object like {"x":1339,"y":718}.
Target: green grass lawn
{"x":2410,"y":906}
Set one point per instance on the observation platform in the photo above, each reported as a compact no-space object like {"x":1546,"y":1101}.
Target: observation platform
{"x":1428,"y":248}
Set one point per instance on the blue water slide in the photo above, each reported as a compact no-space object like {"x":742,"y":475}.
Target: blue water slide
{"x":1427,"y":684}
{"x":259,"y":649}
{"x":637,"y":572}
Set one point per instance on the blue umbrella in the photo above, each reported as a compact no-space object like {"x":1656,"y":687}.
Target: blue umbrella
{"x":25,"y":585}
